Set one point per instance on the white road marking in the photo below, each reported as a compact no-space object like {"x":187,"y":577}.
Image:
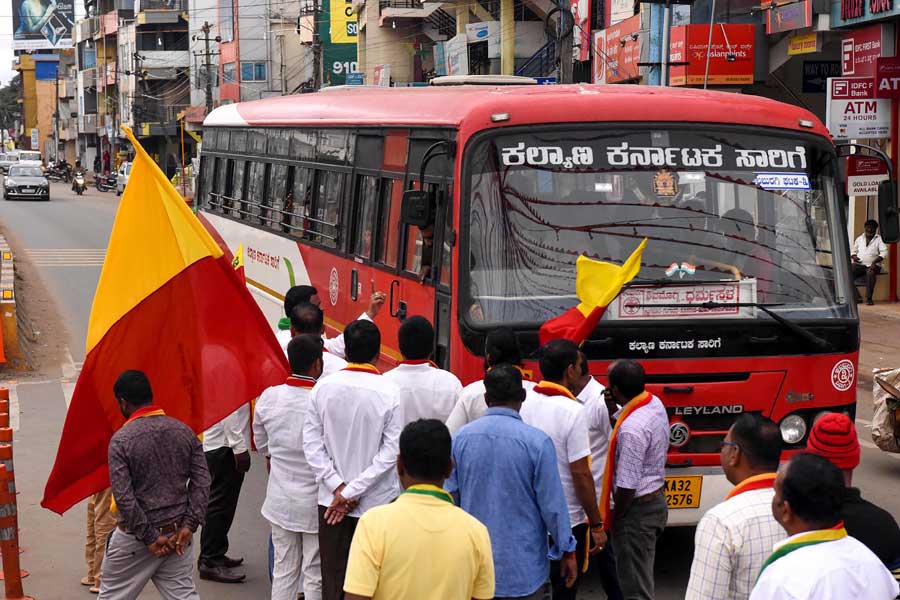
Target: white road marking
{"x":68,"y":366}
{"x":13,"y":408}
{"x":67,"y":257}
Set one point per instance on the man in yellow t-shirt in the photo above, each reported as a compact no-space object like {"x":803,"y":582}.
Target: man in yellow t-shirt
{"x":421,"y":547}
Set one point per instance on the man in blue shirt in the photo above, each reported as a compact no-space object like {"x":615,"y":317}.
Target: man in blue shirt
{"x":506,"y":477}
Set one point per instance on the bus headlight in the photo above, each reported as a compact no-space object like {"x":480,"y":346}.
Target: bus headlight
{"x":793,"y":429}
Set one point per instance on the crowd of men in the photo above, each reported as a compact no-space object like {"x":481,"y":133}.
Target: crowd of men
{"x":408,"y":486}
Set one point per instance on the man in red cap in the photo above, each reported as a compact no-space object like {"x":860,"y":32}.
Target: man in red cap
{"x":833,"y":436}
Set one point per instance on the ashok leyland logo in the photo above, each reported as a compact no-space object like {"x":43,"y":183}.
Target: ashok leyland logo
{"x":842,"y":375}
{"x":679,"y":434}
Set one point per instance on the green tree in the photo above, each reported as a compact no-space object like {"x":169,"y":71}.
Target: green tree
{"x":10,"y":109}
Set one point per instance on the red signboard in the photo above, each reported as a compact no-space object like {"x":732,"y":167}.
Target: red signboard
{"x":887,"y":78}
{"x":730,"y":55}
{"x":623,"y":50}
{"x":787,"y":15}
{"x":860,"y":49}
{"x":864,"y":175}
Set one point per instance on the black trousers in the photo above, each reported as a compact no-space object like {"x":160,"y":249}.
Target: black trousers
{"x":334,"y":550}
{"x":223,"y":499}
{"x":871,"y":277}
{"x":604,"y":563}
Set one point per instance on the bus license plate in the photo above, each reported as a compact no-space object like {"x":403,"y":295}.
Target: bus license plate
{"x":684,"y":492}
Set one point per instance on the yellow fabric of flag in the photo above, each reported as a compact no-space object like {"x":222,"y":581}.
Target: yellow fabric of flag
{"x":597,"y":283}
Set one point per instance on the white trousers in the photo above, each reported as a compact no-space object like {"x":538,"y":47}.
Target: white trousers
{"x":296,"y":561}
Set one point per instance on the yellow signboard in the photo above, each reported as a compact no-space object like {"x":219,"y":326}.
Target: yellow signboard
{"x":343,"y":22}
{"x":807,"y":43}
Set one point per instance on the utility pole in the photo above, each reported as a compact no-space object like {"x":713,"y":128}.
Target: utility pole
{"x":317,"y":49}
{"x":56,"y":115}
{"x":208,"y":61}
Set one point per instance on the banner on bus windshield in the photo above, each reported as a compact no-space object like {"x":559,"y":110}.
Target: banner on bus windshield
{"x":688,"y":300}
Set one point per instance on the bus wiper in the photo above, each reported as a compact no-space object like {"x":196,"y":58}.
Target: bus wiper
{"x":802,"y":332}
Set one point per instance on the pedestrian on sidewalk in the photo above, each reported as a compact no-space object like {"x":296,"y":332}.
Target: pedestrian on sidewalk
{"x":735,"y":537}
{"x":421,"y":547}
{"x":350,"y":439}
{"x":307,"y":318}
{"x":634,"y":477}
{"x":506,"y":476}
{"x":160,"y":483}
{"x":291,"y":493}
{"x":867,"y":255}
{"x":227,"y":448}
{"x":426,"y":391}
{"x":501,"y":347}
{"x":834,"y":437}
{"x":100,"y":522}
{"x":818,"y":561}
{"x":552,"y":407}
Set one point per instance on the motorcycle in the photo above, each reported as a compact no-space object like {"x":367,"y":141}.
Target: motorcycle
{"x":106,"y":182}
{"x":78,"y":183}
{"x":60,"y":172}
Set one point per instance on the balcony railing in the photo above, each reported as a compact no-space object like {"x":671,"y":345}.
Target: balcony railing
{"x":87,"y":123}
{"x":382,"y":4}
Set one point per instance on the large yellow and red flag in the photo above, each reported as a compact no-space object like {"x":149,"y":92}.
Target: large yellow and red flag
{"x":597,"y":283}
{"x":170,"y":304}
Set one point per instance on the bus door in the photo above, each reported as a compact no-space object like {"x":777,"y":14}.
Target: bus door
{"x":442,"y":259}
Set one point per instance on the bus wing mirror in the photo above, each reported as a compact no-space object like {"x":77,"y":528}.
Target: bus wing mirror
{"x":888,"y":221}
{"x":417,"y":209}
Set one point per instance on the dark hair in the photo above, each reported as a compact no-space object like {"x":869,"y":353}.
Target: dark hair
{"x":556,"y":357}
{"x":425,"y":449}
{"x":296,"y":295}
{"x":628,"y":376}
{"x":871,"y":222}
{"x":503,"y":385}
{"x":502,"y":347}
{"x":416,"y":338}
{"x":307,"y":318}
{"x":759,"y":439}
{"x":363,"y":341}
{"x":584,"y":363}
{"x":814,"y":488}
{"x":134,"y":388}
{"x":303,"y":351}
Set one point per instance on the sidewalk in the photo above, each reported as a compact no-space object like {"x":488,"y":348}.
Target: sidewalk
{"x":880,"y":348}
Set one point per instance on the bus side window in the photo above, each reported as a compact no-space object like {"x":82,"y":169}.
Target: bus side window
{"x":241,"y":184}
{"x":228,"y":186}
{"x":446,"y":247}
{"x":390,"y":196}
{"x":364,"y":215}
{"x":255,"y":191}
{"x":325,"y":221}
{"x":276,"y":190}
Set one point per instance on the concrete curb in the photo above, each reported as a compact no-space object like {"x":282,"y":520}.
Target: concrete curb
{"x":8,"y":321}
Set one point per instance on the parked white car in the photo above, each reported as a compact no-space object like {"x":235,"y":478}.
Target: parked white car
{"x":122,"y":177}
{"x":30,"y":158}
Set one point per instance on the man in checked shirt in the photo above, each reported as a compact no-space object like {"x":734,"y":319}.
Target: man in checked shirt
{"x":735,"y":537}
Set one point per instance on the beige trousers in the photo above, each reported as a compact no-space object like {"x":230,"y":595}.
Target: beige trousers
{"x":100,"y":521}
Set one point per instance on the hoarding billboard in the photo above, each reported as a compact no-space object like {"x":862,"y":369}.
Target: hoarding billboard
{"x":42,"y":24}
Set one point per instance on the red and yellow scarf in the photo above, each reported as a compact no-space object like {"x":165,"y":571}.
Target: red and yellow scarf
{"x":548,"y":388}
{"x":637,"y":402}
{"x":764,"y":481}
{"x":300,"y":382}
{"x":151,"y":410}
{"x":362,"y":368}
{"x":810,"y":538}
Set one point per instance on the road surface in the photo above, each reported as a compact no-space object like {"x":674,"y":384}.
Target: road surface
{"x":65,"y":241}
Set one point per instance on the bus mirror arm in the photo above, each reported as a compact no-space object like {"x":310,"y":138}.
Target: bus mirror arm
{"x":417,"y":208}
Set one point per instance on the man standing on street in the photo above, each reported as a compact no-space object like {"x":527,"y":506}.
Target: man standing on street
{"x":421,"y":547}
{"x":160,"y":484}
{"x":819,"y":561}
{"x":634,"y":477}
{"x":551,"y":407}
{"x":307,"y":318}
{"x":100,"y":521}
{"x":833,"y":436}
{"x":735,"y":537}
{"x":506,"y":476}
{"x":291,"y":494}
{"x":867,"y":253}
{"x":426,"y":391}
{"x":227,"y":448}
{"x":350,"y":439}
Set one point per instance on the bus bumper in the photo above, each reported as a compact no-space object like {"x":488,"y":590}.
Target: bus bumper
{"x":713,"y":490}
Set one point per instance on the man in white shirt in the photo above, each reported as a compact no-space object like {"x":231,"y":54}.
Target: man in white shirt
{"x":307,"y":293}
{"x":867,"y":254}
{"x":227,"y":448}
{"x":350,"y":438}
{"x":551,"y":407}
{"x":426,"y":391}
{"x":307,"y":318}
{"x":818,"y":561}
{"x":735,"y":537}
{"x":292,"y":492}
{"x":500,"y":348}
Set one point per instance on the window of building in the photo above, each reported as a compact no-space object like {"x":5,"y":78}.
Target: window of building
{"x":226,"y":20}
{"x":228,"y":73}
{"x":253,"y":71}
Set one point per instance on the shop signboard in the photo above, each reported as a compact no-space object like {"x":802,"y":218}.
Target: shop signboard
{"x":581,"y":13}
{"x":619,"y":10}
{"x":861,"y":48}
{"x":35,"y":141}
{"x":864,"y":174}
{"x":787,"y":15}
{"x":485,"y":31}
{"x":456,"y":50}
{"x":41,"y":25}
{"x":623,"y":50}
{"x":807,"y":43}
{"x":338,"y":37}
{"x":599,"y":66}
{"x":853,"y":111}
{"x":816,"y":74}
{"x":887,"y":77}
{"x":382,"y":76}
{"x":845,"y":13}
{"x":730,"y":55}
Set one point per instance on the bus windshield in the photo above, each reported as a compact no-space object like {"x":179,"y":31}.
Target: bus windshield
{"x":733,"y":217}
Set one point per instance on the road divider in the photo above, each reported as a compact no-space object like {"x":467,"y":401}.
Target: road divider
{"x":12,"y":573}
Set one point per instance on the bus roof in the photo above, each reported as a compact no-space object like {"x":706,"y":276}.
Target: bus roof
{"x":470,"y":108}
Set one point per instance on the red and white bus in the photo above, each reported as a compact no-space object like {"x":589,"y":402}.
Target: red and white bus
{"x":744,"y":300}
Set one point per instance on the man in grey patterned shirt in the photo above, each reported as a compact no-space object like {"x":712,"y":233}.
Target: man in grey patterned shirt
{"x":160,"y":485}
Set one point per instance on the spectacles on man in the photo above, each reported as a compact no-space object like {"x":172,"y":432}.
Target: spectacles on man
{"x":724,"y":443}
